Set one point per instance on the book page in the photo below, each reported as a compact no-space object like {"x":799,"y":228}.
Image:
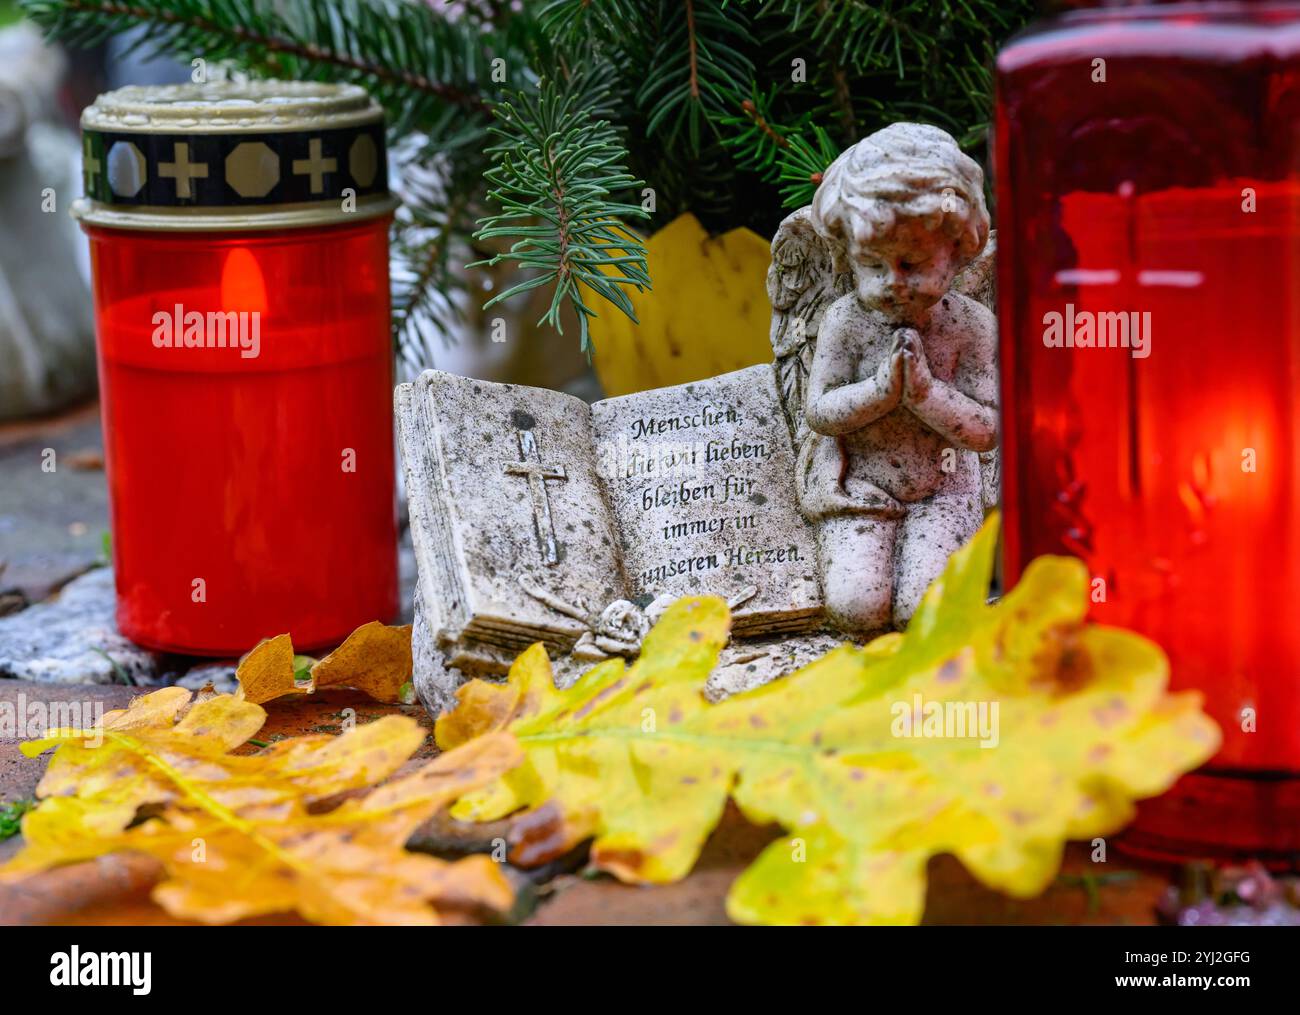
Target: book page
{"x":512,"y":518}
{"x":700,"y":478}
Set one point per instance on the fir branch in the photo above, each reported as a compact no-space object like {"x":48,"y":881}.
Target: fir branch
{"x":554,"y":173}
{"x":843,"y":99}
{"x":693,"y":58}
{"x":793,"y":156}
{"x":869,"y":33}
{"x":801,"y":165}
{"x":575,"y":22}
{"x":755,"y":139}
{"x":697,"y":65}
{"x":411,"y":59}
{"x":770,"y":133}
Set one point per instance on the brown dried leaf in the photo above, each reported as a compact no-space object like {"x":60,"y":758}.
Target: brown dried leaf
{"x":375,"y":659}
{"x":267,"y":671}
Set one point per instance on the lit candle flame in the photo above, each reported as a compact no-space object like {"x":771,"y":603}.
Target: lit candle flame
{"x":242,"y":285}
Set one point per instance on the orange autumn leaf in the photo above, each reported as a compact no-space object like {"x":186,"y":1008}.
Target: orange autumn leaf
{"x":243,"y":835}
{"x":267,"y":671}
{"x":375,"y":659}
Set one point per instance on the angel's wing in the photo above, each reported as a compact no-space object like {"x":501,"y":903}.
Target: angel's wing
{"x":977,"y":278}
{"x":801,"y":284}
{"x":977,"y":281}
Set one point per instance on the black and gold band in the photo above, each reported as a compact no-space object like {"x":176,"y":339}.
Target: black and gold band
{"x":163,"y":170}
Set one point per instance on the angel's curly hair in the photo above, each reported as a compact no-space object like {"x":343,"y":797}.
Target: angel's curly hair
{"x":904,"y":171}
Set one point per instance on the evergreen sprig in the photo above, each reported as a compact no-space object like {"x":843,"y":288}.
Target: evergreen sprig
{"x":698,"y":62}
{"x":419,"y":65}
{"x":795,"y":155}
{"x":802,"y":164}
{"x":556,"y":171}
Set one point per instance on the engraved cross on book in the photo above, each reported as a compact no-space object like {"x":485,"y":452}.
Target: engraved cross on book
{"x":537,"y":474}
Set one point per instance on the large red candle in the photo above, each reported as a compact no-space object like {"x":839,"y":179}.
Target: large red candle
{"x":239,"y":251}
{"x":1148,"y":165}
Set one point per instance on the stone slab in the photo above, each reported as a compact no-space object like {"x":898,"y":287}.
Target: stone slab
{"x":73,"y":639}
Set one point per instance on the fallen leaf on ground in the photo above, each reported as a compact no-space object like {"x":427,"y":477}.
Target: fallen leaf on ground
{"x":243,"y":835}
{"x":1077,"y":724}
{"x":375,"y":659}
{"x":267,"y":672}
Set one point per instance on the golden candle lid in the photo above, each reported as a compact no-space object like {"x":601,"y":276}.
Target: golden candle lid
{"x":233,"y":156}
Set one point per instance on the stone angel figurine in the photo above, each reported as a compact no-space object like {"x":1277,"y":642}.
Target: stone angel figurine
{"x":888,"y":374}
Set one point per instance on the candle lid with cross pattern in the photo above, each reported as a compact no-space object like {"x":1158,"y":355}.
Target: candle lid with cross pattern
{"x":233,"y":156}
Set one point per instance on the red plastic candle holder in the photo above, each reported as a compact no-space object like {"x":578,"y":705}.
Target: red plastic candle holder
{"x":239,"y":248}
{"x":1148,"y":185}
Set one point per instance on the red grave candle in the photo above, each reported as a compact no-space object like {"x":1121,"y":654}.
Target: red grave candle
{"x":238,"y":238}
{"x":1148,"y":178}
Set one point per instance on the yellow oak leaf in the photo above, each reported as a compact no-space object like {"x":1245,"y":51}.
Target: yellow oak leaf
{"x":242,"y":835}
{"x":94,"y":773}
{"x":375,"y":659}
{"x":992,"y":732}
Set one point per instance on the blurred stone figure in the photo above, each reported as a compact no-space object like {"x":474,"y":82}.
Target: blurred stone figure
{"x":47,"y":350}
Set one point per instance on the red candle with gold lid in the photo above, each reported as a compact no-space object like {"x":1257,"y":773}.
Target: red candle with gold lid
{"x":238,"y":237}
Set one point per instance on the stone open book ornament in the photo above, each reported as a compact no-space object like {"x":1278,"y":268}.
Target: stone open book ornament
{"x":819,"y":494}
